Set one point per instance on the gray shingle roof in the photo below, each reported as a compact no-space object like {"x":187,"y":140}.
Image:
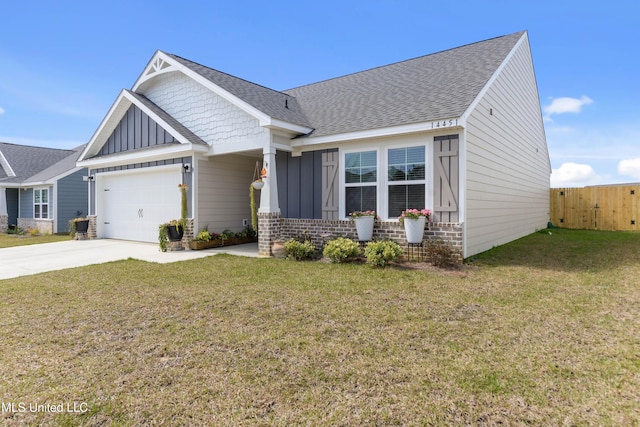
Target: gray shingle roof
{"x":432,"y":87}
{"x":277,"y":105}
{"x":35,"y":164}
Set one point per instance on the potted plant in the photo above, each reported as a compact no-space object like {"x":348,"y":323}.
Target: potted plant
{"x":414,"y":221}
{"x":252,"y":204}
{"x":205,"y":240}
{"x":257,"y":184}
{"x":78,"y":225}
{"x":173,"y":231}
{"x":364,"y":224}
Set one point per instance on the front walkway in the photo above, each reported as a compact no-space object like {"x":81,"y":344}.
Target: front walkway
{"x":33,"y":259}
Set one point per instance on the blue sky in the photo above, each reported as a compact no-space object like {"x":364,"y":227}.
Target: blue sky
{"x":62,"y":64}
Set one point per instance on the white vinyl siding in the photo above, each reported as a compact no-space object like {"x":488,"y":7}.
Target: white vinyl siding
{"x":507,"y":164}
{"x":223,"y":191}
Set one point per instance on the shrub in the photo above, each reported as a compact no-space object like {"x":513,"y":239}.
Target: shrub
{"x":341,"y":250}
{"x":203,"y":236}
{"x":299,"y":250}
{"x":33,"y":232}
{"x":440,"y":254}
{"x":380,"y":253}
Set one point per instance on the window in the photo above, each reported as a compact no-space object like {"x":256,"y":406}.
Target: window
{"x":389,"y":184}
{"x":41,"y":203}
{"x":361,"y":177}
{"x":406,"y":179}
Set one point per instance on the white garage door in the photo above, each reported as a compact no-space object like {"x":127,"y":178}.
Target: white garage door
{"x":131,"y":205}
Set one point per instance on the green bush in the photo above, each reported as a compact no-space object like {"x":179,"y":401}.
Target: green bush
{"x":341,"y":250}
{"x":299,"y":250}
{"x":380,"y":253}
{"x":203,"y":236}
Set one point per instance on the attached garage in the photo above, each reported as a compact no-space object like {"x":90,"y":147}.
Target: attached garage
{"x":132,"y":203}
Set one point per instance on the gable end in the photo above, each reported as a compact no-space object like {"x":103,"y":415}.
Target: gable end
{"x":136,"y":130}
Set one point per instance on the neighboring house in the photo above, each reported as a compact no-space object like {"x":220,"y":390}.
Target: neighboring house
{"x":40,"y":188}
{"x":459,"y":132}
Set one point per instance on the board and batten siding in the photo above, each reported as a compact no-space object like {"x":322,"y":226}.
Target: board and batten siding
{"x":135,"y":130}
{"x":223,"y":192}
{"x":209,"y":116}
{"x":72,"y":199}
{"x":300,"y":184}
{"x":507,"y":163}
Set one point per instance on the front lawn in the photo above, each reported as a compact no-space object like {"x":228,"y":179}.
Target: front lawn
{"x":543,"y":331}
{"x":8,"y":240}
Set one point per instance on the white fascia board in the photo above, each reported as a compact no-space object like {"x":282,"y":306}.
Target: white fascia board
{"x":181,"y":138}
{"x":145,"y":155}
{"x":493,"y":78}
{"x":109,"y":122}
{"x":279,"y":124}
{"x":4,"y":163}
{"x":116,"y":112}
{"x":377,"y":133}
{"x":264,"y":119}
{"x":176,"y":66}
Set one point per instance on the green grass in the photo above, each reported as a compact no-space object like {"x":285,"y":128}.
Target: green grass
{"x":543,"y":331}
{"x":8,"y":240}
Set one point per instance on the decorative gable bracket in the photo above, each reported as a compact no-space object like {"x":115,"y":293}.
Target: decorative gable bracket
{"x":156,"y":66}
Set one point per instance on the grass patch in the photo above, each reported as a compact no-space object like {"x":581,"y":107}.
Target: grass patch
{"x":9,"y":240}
{"x":531,"y":336}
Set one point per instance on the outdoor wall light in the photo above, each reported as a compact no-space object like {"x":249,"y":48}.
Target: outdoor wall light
{"x":187,"y":168}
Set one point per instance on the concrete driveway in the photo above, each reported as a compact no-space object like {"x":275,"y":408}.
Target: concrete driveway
{"x":32,"y":259}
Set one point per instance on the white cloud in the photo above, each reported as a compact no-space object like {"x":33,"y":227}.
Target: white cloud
{"x":566,"y":105}
{"x":1,"y":110}
{"x":630,"y":167}
{"x":574,"y":175}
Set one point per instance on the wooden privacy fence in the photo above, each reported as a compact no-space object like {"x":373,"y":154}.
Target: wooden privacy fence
{"x":615,"y":207}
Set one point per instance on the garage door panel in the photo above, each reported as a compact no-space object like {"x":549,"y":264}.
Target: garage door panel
{"x":133,"y":204}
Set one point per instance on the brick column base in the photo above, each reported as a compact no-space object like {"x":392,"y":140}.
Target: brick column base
{"x":269,"y":227}
{"x":4,"y":223}
{"x":92,"y":231}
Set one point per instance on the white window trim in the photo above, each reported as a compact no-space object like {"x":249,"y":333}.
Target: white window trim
{"x":382,"y":183}
{"x":343,"y":180}
{"x":48,"y":204}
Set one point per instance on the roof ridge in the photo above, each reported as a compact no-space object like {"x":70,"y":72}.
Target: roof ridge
{"x":402,"y":61}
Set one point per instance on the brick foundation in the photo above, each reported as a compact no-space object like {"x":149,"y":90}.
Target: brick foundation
{"x":269,"y":230}
{"x":272,"y":227}
{"x":44,"y":226}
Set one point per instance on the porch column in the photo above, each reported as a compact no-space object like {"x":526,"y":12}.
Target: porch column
{"x":269,"y":193}
{"x":4,"y":215}
{"x":269,"y":211}
{"x":3,"y":202}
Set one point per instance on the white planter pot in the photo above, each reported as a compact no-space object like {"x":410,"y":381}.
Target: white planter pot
{"x":257,"y":184}
{"x":364,"y":226}
{"x":414,"y":229}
